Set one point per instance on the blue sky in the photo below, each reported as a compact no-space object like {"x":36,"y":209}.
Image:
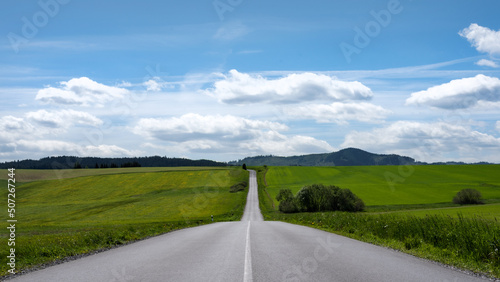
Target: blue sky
{"x":227,"y":79}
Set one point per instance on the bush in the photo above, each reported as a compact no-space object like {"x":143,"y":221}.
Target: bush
{"x":468,"y":197}
{"x":318,"y":197}
{"x":347,"y":201}
{"x":288,"y":204}
{"x":238,"y":187}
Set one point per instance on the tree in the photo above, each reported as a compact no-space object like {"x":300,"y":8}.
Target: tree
{"x":244,"y":166}
{"x":288,"y":204}
{"x":468,"y":197}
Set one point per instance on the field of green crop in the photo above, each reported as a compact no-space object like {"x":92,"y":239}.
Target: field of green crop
{"x":89,"y":209}
{"x":392,"y":185}
{"x":29,"y":175}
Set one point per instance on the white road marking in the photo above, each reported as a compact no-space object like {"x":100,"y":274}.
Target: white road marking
{"x":248,"y":258}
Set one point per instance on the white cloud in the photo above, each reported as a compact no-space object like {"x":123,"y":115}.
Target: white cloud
{"x":242,"y":88}
{"x":498,"y":125}
{"x":82,"y":92}
{"x":482,"y":38}
{"x":12,"y":128}
{"x":459,"y":93}
{"x":226,"y":134}
{"x":426,"y":141}
{"x":63,"y":118}
{"x":487,"y":63}
{"x":274,"y":143}
{"x":52,"y":147}
{"x":340,"y":113}
{"x":152,"y":85}
{"x":198,"y":126}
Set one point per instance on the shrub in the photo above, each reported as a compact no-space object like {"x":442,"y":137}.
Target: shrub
{"x":348,"y":201}
{"x":318,"y":197}
{"x":288,"y":204}
{"x":468,"y":197}
{"x":238,"y":187}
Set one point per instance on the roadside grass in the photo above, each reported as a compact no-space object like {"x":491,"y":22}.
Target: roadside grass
{"x":415,"y":216}
{"x":487,"y":211}
{"x":81,"y":215}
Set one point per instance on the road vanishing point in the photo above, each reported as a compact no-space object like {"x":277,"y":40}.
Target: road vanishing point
{"x":249,"y":250}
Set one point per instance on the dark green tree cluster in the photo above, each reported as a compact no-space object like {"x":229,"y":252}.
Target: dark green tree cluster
{"x":468,"y":197}
{"x":319,"y":197}
{"x":69,"y":162}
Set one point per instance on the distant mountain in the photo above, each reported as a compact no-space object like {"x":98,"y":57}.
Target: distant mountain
{"x":66,"y":162}
{"x":345,"y":157}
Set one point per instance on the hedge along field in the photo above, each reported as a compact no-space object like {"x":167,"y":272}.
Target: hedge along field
{"x":392,"y":185}
{"x":74,"y":216}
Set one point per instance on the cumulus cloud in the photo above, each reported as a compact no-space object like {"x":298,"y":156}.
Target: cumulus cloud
{"x":459,"y":94}
{"x":12,"y":128}
{"x":152,"y":85}
{"x":340,"y":113}
{"x":198,"y":126}
{"x":81,"y":92}
{"x":229,"y":134}
{"x":242,"y":88}
{"x":62,"y":119}
{"x":482,"y":38}
{"x":69,"y":148}
{"x":425,"y":141}
{"x":487,"y":63}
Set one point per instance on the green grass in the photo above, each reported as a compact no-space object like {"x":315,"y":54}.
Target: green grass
{"x":489,"y":211}
{"x":29,"y":175}
{"x":392,"y":185}
{"x":80,"y":214}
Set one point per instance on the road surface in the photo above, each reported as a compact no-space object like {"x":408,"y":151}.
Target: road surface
{"x":249,"y":250}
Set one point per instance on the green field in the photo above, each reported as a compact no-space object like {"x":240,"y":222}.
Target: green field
{"x":29,"y":175}
{"x":392,"y":185}
{"x":66,"y":213}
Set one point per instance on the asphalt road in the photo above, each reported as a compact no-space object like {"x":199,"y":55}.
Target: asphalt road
{"x":249,"y":250}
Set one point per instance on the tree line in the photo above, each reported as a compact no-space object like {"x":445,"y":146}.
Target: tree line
{"x":71,"y":162}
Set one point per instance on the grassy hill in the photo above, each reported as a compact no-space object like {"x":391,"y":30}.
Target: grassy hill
{"x":345,"y":157}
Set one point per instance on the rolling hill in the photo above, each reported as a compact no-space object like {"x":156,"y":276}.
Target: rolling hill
{"x":345,"y":157}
